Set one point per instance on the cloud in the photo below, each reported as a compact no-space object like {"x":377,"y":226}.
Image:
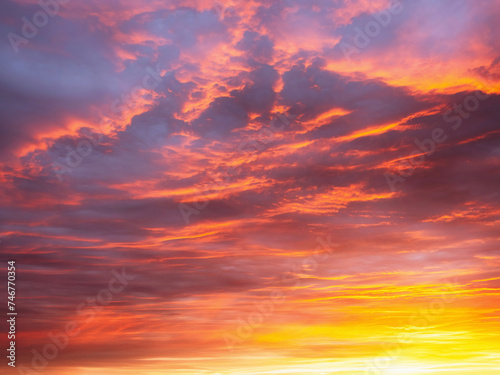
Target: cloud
{"x":260,"y":194}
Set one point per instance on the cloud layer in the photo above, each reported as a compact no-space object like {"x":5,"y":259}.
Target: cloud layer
{"x":209,"y":148}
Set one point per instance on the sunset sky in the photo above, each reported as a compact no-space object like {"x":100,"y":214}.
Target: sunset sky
{"x":250,"y":187}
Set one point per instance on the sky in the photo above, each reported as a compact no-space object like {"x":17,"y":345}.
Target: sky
{"x":289,"y":187}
